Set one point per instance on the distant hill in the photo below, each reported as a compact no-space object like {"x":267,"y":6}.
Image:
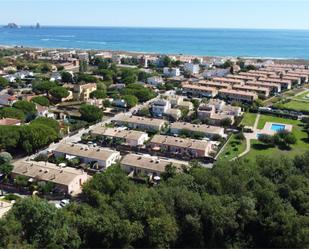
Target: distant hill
{"x":12,"y":26}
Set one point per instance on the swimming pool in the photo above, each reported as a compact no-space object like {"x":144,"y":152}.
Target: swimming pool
{"x":277,"y":127}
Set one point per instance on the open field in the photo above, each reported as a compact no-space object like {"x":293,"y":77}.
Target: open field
{"x":297,"y":106}
{"x":300,"y":147}
{"x":249,"y":119}
{"x":233,"y":148}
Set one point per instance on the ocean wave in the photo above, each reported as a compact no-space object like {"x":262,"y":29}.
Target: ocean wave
{"x":93,"y":42}
{"x":52,"y":39}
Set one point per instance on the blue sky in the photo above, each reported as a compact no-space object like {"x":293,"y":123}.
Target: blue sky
{"x":282,"y":14}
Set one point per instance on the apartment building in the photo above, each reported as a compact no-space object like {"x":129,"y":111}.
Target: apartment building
{"x":261,"y":91}
{"x":148,"y":165}
{"x":102,"y":156}
{"x":181,"y":146}
{"x":199,"y":91}
{"x":130,"y":137}
{"x":160,"y":107}
{"x":234,"y":95}
{"x":171,"y":72}
{"x":207,"y":130}
{"x":274,"y":87}
{"x":228,"y":80}
{"x":192,"y":68}
{"x":67,"y":180}
{"x":140,"y":123}
{"x":82,"y":92}
{"x":285,"y":84}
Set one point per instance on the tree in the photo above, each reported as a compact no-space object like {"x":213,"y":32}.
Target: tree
{"x":266,"y":139}
{"x":226,"y":122}
{"x":49,"y":122}
{"x":9,"y":137}
{"x":90,"y":113}
{"x":131,"y":100}
{"x":45,"y":68}
{"x":3,"y":82}
{"x":27,"y":107}
{"x":6,"y":168}
{"x":41,"y":100}
{"x":98,"y":94}
{"x":5,"y":157}
{"x":43,"y":87}
{"x":36,"y":136}
{"x":11,"y":112}
{"x":59,"y":92}
{"x":82,"y":77}
{"x":66,"y":77}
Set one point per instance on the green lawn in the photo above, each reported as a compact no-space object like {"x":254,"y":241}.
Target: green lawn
{"x":302,"y":96}
{"x":297,"y":105}
{"x":233,"y":148}
{"x":300,"y":147}
{"x":249,"y":119}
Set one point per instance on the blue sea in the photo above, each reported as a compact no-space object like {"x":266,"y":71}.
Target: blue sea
{"x":204,"y":42}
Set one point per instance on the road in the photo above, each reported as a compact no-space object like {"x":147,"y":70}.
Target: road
{"x":77,"y":137}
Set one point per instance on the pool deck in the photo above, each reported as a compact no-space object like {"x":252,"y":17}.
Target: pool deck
{"x":266,"y":130}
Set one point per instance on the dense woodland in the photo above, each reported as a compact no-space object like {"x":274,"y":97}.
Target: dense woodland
{"x":262,"y":204}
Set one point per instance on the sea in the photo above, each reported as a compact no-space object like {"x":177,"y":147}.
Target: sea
{"x":287,"y":44}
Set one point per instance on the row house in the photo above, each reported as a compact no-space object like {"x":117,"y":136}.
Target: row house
{"x":234,"y":95}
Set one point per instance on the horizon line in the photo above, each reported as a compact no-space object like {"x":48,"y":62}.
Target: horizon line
{"x":157,"y":27}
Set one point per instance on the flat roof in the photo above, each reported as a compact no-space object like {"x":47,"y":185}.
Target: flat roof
{"x":9,"y":121}
{"x":120,"y":133}
{"x":101,"y":154}
{"x":198,"y":128}
{"x":47,"y":172}
{"x":196,"y":87}
{"x":236,"y":92}
{"x":181,"y":142}
{"x":140,"y":120}
{"x":150,"y":162}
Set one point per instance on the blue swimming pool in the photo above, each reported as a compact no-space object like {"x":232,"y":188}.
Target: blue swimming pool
{"x":277,"y":127}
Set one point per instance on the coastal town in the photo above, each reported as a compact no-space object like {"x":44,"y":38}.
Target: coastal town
{"x":148,"y":113}
{"x":70,"y":118}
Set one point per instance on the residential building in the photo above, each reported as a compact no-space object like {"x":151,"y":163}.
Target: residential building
{"x":208,"y":74}
{"x":10,"y":121}
{"x":227,"y":80}
{"x":155,"y":81}
{"x":234,"y":95}
{"x":140,"y":123}
{"x":285,"y":84}
{"x":130,"y":137}
{"x":83,"y":91}
{"x":192,"y":68}
{"x":186,"y":104}
{"x":101,"y":156}
{"x":207,"y":130}
{"x":160,"y":107}
{"x":7,"y":100}
{"x":174,"y":113}
{"x":274,"y":87}
{"x":171,"y":72}
{"x":67,"y":180}
{"x":148,"y":165}
{"x":261,"y":91}
{"x":43,"y":111}
{"x":181,"y":146}
{"x":199,"y":91}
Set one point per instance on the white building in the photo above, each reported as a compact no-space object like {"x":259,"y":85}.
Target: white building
{"x":155,"y":81}
{"x":160,"y":107}
{"x":192,"y":68}
{"x":171,"y":72}
{"x":102,"y":156}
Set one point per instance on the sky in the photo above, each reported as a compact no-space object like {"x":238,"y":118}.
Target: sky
{"x":270,"y":14}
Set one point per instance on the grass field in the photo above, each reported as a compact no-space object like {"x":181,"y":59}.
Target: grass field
{"x":249,"y":119}
{"x":233,"y":148}
{"x":302,"y":96}
{"x":297,"y":105}
{"x":300,"y":147}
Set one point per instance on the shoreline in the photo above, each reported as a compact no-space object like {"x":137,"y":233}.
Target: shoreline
{"x":139,"y":53}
